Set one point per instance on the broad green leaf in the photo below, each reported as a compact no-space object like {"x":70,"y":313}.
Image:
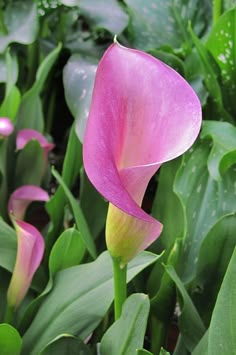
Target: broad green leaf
{"x":30,"y":114}
{"x":204,"y":199}
{"x":29,"y":165}
{"x":195,"y":76}
{"x":166,"y":205}
{"x":67,"y":251}
{"x":163,"y":291}
{"x":223,"y":152}
{"x":8,"y":246}
{"x":228,"y":4}
{"x":78,"y":215}
{"x":202,"y":346}
{"x":66,"y":344}
{"x":170,"y":59}
{"x":210,"y":76}
{"x":221,"y":43}
{"x":8,"y":69}
{"x":21,"y":23}
{"x":78,"y":301}
{"x":127,"y":333}
{"x":10,"y":340}
{"x":78,"y":81}
{"x":70,"y":172}
{"x":222,"y":330}
{"x":214,"y":256}
{"x":143,"y":352}
{"x":11,"y":103}
{"x":190,"y":323}
{"x":93,"y":205}
{"x":149,"y":18}
{"x":164,"y":352}
{"x":98,"y":14}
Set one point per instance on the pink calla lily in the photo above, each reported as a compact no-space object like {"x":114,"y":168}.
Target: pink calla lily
{"x":142,"y":114}
{"x":30,"y":243}
{"x":26,"y":135}
{"x":6,"y":127}
{"x":22,"y":197}
{"x":30,"y":249}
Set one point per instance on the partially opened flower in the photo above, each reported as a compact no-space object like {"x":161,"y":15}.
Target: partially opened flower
{"x":142,"y":114}
{"x":26,"y":135}
{"x":6,"y":127}
{"x":30,"y":243}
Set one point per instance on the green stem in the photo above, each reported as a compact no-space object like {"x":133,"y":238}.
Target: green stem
{"x":9,"y":314}
{"x":120,"y":289}
{"x":217,"y":8}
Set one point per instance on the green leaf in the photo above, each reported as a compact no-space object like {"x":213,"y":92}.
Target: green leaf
{"x":66,"y":344}
{"x":21,"y":22}
{"x":204,"y":199}
{"x":83,"y":295}
{"x":70,"y":171}
{"x":143,"y":352}
{"x":11,"y":103}
{"x":78,"y":81}
{"x":202,"y":346}
{"x":8,"y":246}
{"x":223,"y":152}
{"x":67,"y":251}
{"x":170,"y":59}
{"x":166,"y":205}
{"x":8,"y":69}
{"x":210,"y":77}
{"x":150,"y":17}
{"x":29,"y":165}
{"x":30,"y":114}
{"x":93,"y":205}
{"x":10,"y":340}
{"x":214,"y":256}
{"x":221,"y":43}
{"x":78,"y":215}
{"x":98,"y":14}
{"x":127,"y":333}
{"x":190,"y":323}
{"x":164,"y":352}
{"x":222,"y":330}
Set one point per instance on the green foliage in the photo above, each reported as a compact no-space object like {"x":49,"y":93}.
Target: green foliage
{"x":49,"y":51}
{"x":127,"y":333}
{"x":10,"y":340}
{"x":66,"y":344}
{"x":20,"y":24}
{"x":75,"y":291}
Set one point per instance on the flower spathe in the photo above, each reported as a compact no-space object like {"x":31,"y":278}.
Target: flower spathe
{"x":30,"y":243}
{"x":30,"y":249}
{"x":142,"y":114}
{"x":6,"y":127}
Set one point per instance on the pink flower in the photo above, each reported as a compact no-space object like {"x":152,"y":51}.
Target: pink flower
{"x":6,"y":127}
{"x":30,"y":243}
{"x":142,"y":114}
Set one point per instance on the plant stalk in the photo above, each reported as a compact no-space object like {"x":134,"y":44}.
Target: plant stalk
{"x":120,"y":288}
{"x":9,"y":314}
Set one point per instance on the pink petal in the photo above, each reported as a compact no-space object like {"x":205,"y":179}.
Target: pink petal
{"x":29,"y":256}
{"x":26,"y":135}
{"x":142,"y":114}
{"x":22,"y":197}
{"x":6,"y":127}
